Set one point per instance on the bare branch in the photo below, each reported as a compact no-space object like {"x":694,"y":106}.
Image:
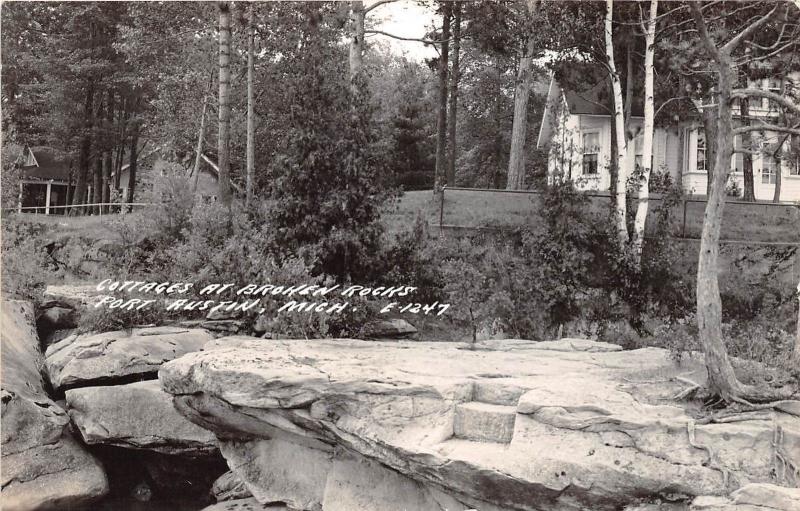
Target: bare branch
{"x":378,"y":3}
{"x":750,"y":30}
{"x":759,"y":93}
{"x":400,"y":38}
{"x":697,"y":14}
{"x":766,"y":127}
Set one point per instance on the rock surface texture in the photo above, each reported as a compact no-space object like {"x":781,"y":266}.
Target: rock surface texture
{"x":97,"y":359}
{"x":138,"y":415}
{"x":43,"y":467}
{"x":511,"y":425}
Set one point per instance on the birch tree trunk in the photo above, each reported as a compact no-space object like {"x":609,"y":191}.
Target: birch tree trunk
{"x":223,"y":140}
{"x":649,"y":127}
{"x":453,"y":108}
{"x":251,"y":151}
{"x":519,"y":127}
{"x":357,"y":15}
{"x":441,"y":121}
{"x":619,"y":117}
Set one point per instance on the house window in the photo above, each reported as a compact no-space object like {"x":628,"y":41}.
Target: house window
{"x":793,"y":156}
{"x":769,"y":170}
{"x":737,"y":161}
{"x":591,"y":152}
{"x":774,"y":86}
{"x":701,"y":150}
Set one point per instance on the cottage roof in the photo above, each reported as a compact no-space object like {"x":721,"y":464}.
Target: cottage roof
{"x":587,"y":91}
{"x":45,"y":163}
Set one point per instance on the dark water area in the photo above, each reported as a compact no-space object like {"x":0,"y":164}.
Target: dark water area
{"x":131,"y":504}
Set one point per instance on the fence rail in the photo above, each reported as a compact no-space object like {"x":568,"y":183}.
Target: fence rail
{"x":758,"y":223}
{"x":46,"y":210}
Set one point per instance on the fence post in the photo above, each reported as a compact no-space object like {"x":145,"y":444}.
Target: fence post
{"x":683,"y":226}
{"x":441,"y":210}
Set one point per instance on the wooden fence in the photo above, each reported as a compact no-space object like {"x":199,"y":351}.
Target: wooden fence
{"x":471,"y":209}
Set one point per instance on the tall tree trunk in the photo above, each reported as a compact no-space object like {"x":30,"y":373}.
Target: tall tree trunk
{"x":223,"y":140}
{"x":108,"y":155}
{"x":710,"y":120}
{"x":647,"y":137}
{"x":747,"y":141}
{"x":79,"y":194}
{"x":357,"y":15}
{"x":776,"y":197}
{"x":709,"y":305}
{"x":123,"y":134}
{"x":97,"y":183}
{"x":441,"y":121}
{"x":796,"y":352}
{"x":519,"y":126}
{"x":201,"y":136}
{"x":251,"y":123}
{"x":132,"y":162}
{"x":622,"y":145}
{"x":453,"y":108}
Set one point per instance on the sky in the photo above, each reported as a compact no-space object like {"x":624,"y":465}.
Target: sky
{"x":404,"y":18}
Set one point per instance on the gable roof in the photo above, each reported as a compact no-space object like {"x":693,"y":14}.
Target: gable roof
{"x":44,"y":163}
{"x":587,"y":91}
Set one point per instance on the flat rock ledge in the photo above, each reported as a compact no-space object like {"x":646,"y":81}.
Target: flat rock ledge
{"x":339,"y":425}
{"x":138,"y":416}
{"x":114,"y":357}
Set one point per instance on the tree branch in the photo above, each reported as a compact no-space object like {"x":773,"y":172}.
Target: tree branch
{"x":766,"y":127}
{"x":700,"y":23}
{"x":749,"y":31}
{"x":758,"y":93}
{"x":415,"y":39}
{"x":378,"y":3}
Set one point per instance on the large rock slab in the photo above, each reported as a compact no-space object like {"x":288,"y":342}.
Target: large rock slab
{"x":111,"y":357}
{"x":752,"y":497}
{"x":75,"y":297}
{"x":594,"y":427}
{"x":43,"y":467}
{"x":138,"y":415}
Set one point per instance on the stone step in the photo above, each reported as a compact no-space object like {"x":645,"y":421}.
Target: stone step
{"x":484,"y":422}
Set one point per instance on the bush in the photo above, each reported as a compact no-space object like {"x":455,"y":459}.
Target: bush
{"x":26,"y":261}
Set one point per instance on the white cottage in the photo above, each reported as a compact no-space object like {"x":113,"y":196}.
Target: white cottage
{"x":576,"y":131}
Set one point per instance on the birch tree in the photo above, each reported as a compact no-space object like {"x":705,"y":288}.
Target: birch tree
{"x":223,"y":139}
{"x":649,"y":126}
{"x":251,"y":149}
{"x":619,"y":127}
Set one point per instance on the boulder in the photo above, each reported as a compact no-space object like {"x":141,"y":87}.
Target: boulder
{"x":43,"y":467}
{"x":389,"y":329}
{"x":508,"y":425}
{"x":72,"y":296}
{"x":138,"y":415}
{"x":752,"y":497}
{"x":229,"y":486}
{"x":248,"y":504}
{"x":113,"y":357}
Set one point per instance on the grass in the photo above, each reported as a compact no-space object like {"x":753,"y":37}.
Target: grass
{"x":756,"y":222}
